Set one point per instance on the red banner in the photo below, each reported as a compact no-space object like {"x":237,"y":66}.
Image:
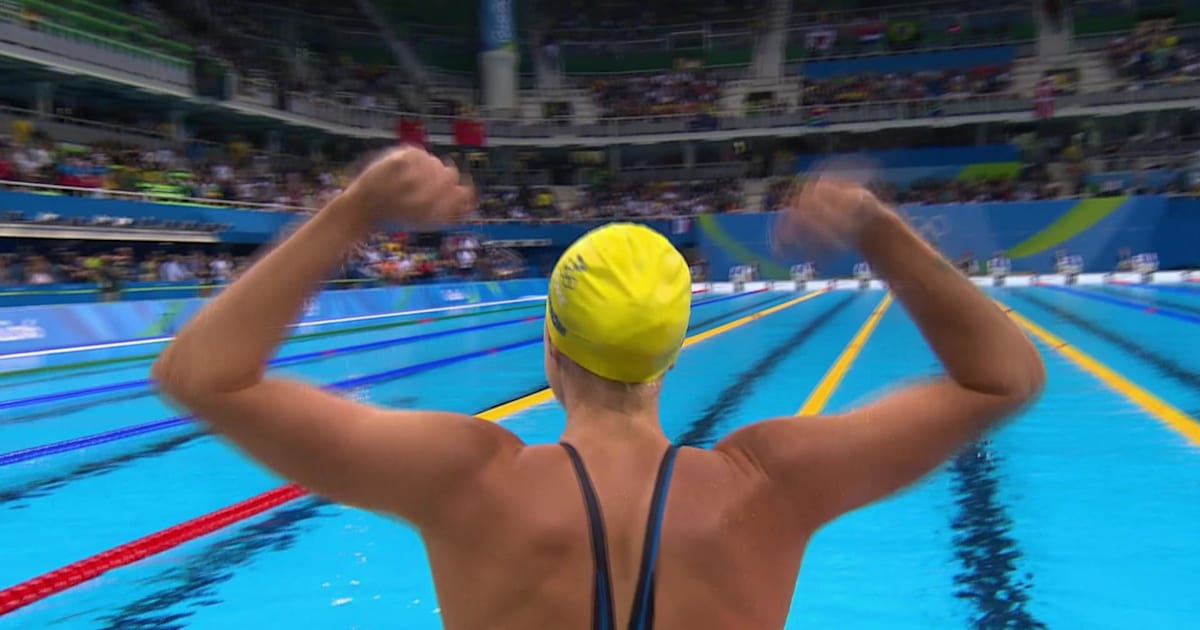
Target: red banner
{"x":468,"y":133}
{"x":410,"y":131}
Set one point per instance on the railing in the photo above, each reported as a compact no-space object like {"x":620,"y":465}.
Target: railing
{"x":899,"y":9}
{"x":1021,"y":48}
{"x":93,"y":50}
{"x":843,"y":113}
{"x":246,"y":205}
{"x":96,"y":40}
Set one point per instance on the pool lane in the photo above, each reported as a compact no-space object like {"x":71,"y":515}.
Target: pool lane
{"x":1160,"y":354}
{"x":26,"y":427}
{"x":114,"y":502}
{"x":55,"y":421}
{"x":77,"y":361}
{"x":891,"y":564}
{"x":1104,"y":502}
{"x":1173,"y":297}
{"x":343,"y":566}
{"x":41,"y":385}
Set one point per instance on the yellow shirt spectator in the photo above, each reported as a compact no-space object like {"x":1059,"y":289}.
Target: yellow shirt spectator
{"x":22,"y":130}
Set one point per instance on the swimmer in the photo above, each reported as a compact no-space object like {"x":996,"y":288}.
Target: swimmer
{"x":613,"y":527}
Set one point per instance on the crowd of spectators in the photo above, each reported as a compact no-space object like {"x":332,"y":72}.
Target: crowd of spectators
{"x":110,"y":268}
{"x":393,"y":258}
{"x":518,"y":203}
{"x":398,"y":258}
{"x":617,"y":200}
{"x":948,"y":84}
{"x":681,"y":92}
{"x":1153,"y":53}
{"x":239,"y":176}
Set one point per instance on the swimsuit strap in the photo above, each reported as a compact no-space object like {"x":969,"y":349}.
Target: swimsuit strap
{"x":602,"y":606}
{"x":642,"y":617}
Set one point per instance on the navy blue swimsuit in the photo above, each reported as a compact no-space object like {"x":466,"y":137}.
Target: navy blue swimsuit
{"x":642,"y":617}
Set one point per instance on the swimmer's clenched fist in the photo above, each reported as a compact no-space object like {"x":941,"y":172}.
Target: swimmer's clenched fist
{"x":829,"y":213}
{"x":411,"y":185}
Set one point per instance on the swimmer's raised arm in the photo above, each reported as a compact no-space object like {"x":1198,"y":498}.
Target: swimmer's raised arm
{"x":826,"y":466}
{"x":402,"y":462}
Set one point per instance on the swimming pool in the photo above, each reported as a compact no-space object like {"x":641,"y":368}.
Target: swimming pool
{"x":1082,"y":513}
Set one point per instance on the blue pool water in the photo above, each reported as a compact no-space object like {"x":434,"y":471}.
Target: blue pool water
{"x":1082,"y":513}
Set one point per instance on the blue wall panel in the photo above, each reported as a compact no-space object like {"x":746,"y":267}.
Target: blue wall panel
{"x":913,"y":62}
{"x":248,"y":226}
{"x":909,"y":158}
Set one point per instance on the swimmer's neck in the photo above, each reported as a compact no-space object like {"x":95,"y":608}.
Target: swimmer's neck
{"x":589,"y":422}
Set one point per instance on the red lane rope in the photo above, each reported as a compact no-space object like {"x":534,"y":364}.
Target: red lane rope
{"x":76,"y":573}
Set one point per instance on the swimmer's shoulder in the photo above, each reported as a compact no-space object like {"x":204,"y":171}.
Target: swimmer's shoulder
{"x":785,"y":458}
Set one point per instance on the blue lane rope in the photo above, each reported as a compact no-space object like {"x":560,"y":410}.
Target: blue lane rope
{"x":1116,"y":301}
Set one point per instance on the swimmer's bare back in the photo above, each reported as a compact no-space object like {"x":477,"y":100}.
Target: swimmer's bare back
{"x":504,"y":523}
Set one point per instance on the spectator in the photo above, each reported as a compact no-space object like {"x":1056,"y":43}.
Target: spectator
{"x":683,"y":92}
{"x":173,"y":270}
{"x":904,"y":86}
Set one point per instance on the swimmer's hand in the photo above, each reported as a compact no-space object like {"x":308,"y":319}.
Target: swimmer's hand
{"x":828,"y":213}
{"x":411,"y":185}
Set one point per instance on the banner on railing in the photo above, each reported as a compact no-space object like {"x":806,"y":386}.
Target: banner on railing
{"x":870,"y":31}
{"x":820,"y":39}
{"x":411,"y":131}
{"x":902,"y":31}
{"x":469,"y":132}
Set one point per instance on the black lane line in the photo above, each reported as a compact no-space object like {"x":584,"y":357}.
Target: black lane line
{"x":1165,"y":365}
{"x":39,"y":488}
{"x":767,"y":303}
{"x":44,"y":414}
{"x":989,"y":578}
{"x":172,"y":596}
{"x":700,"y":433}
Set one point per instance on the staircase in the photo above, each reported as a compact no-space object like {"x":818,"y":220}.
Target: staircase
{"x":405,"y":57}
{"x":583,"y":108}
{"x":733,"y":97}
{"x":771,"y":40}
{"x":1095,"y":75}
{"x":1051,"y":42}
{"x":548,"y":73}
{"x":753,"y":191}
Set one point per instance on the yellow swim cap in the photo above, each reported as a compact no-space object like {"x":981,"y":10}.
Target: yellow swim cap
{"x":619,"y":302}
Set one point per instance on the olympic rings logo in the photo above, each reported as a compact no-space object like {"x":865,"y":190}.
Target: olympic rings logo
{"x":931,"y":228}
